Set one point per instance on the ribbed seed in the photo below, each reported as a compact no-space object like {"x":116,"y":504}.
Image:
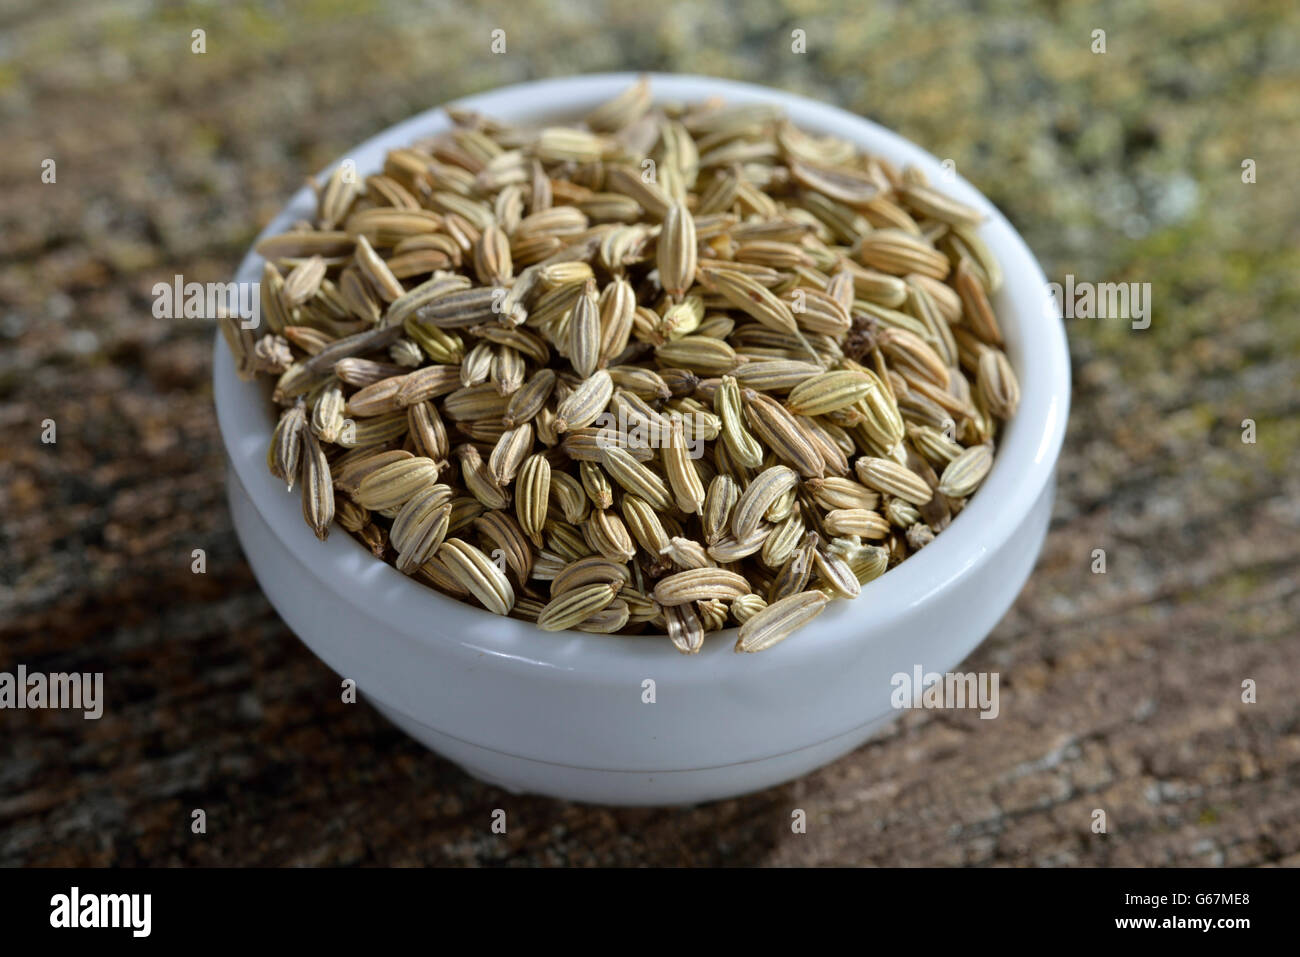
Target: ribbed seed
{"x":479,"y":479}
{"x":359,"y":373}
{"x":377,"y":398}
{"x":392,"y":485}
{"x":572,"y":607}
{"x":836,"y":492}
{"x":885,"y":475}
{"x":645,"y":384}
{"x":855,"y":521}
{"x":686,"y":553}
{"x":755,"y":300}
{"x":317,"y":489}
{"x":719,"y":501}
{"x":779,"y":621}
{"x":676,"y":251}
{"x":585,"y":403}
{"x":605,"y":533}
{"x":783,"y":540}
{"x":699,"y":354}
{"x":683,"y":477}
{"x":780,"y":431}
{"x":567,"y":542}
{"x":478,"y":574}
{"x":286,"y":445}
{"x":744,"y":448}
{"x":685,"y":630}
{"x":644,"y":525}
{"x":699,"y":584}
{"x":965,"y":473}
{"x":477,"y":365}
{"x":997,"y":384}
{"x":936,"y":446}
{"x":901,"y":513}
{"x":775,"y":375}
{"x":975,"y":305}
{"x":899,"y":253}
{"x":420,"y":526}
{"x":828,"y":392}
{"x":836,"y":574}
{"x":588,"y":571}
{"x":609,"y":620}
{"x":758,"y":497}
{"x":635,"y":477}
{"x":569,"y":495}
{"x":584,"y":331}
{"x":910,"y":353}
{"x":532,"y":496}
{"x":504,"y":532}
{"x":492,"y":261}
{"x":793,"y":576}
{"x":746,"y":607}
{"x":509,"y":453}
{"x":529,"y":399}
{"x":428,"y":434}
{"x":373,"y":267}
{"x":729,"y":548}
{"x":617,"y":307}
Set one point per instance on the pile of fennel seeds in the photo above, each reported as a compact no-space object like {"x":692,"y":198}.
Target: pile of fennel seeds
{"x":665,"y":371}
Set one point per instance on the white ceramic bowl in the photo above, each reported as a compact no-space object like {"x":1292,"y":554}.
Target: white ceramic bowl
{"x":563,"y":714}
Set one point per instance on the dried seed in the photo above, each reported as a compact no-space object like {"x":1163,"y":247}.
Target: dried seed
{"x":584,"y":331}
{"x":779,"y":621}
{"x":744,"y":448}
{"x":644,"y":525}
{"x":781,"y":432}
{"x":683,"y":477}
{"x":286,"y":445}
{"x":585,"y":404}
{"x":478,"y":574}
{"x":997,"y":383}
{"x":532,"y":496}
{"x":965,"y":473}
{"x":420,"y":526}
{"x":758,"y":497}
{"x":504,"y":532}
{"x":855,"y":521}
{"x":719,"y":501}
{"x":393,"y":484}
{"x":317,"y":489}
{"x":828,"y":392}
{"x":588,"y":571}
{"x":509,"y":453}
{"x":885,"y":475}
{"x":685,"y":630}
{"x":605,"y":533}
{"x":676,"y":251}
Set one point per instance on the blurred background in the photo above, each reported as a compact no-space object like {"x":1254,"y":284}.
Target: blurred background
{"x":1120,"y":691}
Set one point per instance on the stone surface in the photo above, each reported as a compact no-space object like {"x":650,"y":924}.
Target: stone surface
{"x":1120,"y":692}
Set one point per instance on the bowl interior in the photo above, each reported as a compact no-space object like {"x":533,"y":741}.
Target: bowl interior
{"x":1026,"y":455}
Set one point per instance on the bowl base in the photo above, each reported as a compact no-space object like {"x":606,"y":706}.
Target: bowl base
{"x":519,"y":775}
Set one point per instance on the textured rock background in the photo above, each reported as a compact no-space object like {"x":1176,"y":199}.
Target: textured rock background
{"x":1120,"y":691}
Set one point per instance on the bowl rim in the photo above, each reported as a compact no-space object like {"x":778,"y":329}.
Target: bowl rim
{"x":1025,"y":460}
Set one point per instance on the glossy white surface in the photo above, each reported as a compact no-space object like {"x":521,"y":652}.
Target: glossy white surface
{"x":562,"y":714}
